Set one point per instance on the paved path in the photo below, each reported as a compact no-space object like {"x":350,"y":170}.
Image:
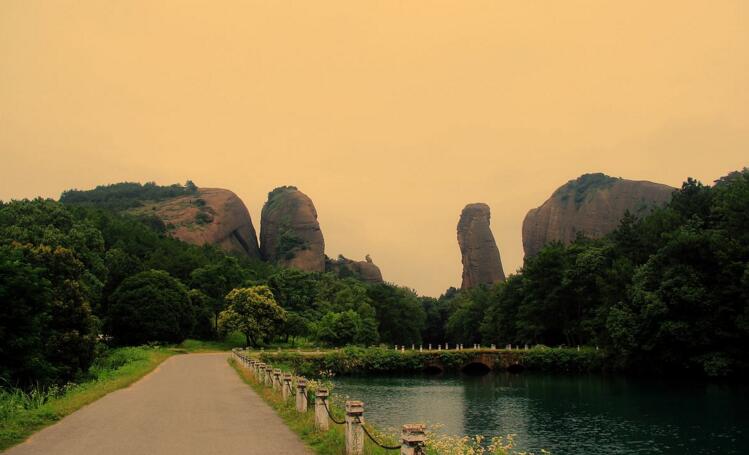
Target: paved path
{"x":191,"y":404}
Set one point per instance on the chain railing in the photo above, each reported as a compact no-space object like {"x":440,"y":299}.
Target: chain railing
{"x":412,"y":437}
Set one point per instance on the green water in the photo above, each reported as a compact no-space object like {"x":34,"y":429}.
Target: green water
{"x":565,"y":414}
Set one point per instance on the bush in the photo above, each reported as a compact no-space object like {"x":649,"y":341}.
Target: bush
{"x":150,"y":306}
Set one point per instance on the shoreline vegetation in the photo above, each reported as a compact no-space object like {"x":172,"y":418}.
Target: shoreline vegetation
{"x":375,"y":360}
{"x":332,"y":441}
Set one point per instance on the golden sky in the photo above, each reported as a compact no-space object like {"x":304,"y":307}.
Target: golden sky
{"x":390,"y":114}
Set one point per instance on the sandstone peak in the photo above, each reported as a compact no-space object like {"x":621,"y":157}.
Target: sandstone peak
{"x":593,"y":205}
{"x":480,"y":255}
{"x":210,"y":216}
{"x":290,"y":234}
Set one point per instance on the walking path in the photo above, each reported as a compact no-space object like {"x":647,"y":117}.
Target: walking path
{"x":191,"y":404}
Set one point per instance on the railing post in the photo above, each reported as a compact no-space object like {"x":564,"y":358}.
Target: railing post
{"x":301,"y":395}
{"x":412,"y":439}
{"x":286,"y":387}
{"x":259,"y":368}
{"x":321,"y":414}
{"x":276,"y":379}
{"x":354,"y":432}
{"x":268,"y":375}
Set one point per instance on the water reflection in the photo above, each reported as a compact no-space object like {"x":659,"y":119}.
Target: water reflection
{"x":567,"y":414}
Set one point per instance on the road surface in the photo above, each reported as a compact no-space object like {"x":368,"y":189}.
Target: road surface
{"x":191,"y":404}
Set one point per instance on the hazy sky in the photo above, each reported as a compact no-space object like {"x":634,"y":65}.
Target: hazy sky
{"x":390,"y":115}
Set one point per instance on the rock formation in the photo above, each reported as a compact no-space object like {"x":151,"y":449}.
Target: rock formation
{"x":365,"y":270}
{"x":212,"y":215}
{"x":289,"y":232}
{"x":593,"y":205}
{"x":481,"y":261}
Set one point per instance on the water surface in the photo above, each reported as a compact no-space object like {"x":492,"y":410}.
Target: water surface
{"x":565,"y":414}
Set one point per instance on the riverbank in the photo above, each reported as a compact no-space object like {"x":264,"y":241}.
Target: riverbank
{"x":23,"y":413}
{"x":355,"y":360}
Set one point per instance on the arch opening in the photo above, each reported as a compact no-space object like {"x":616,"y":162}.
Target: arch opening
{"x":476,"y":369}
{"x":433,"y":369}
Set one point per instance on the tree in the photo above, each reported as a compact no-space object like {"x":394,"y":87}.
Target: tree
{"x":367,"y":335}
{"x":399,"y":313}
{"x":252,"y":311}
{"x":216,"y":280}
{"x":295,"y":326}
{"x":202,"y":308}
{"x":339,"y":329}
{"x":151,"y":306}
{"x":25,"y":298}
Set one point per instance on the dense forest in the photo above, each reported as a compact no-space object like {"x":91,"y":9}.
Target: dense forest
{"x":665,"y":293}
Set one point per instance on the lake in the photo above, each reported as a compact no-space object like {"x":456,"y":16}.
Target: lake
{"x":564,"y":414}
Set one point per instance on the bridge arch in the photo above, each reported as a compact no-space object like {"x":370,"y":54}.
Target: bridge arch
{"x":476,"y":367}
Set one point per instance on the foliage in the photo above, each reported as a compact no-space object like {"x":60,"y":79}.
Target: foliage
{"x":399,"y":313}
{"x":356,"y":360}
{"x":47,"y":331}
{"x":254,"y":312}
{"x":151,"y":306}
{"x":125,"y":195}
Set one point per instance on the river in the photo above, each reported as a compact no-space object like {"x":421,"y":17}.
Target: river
{"x":578,"y":415}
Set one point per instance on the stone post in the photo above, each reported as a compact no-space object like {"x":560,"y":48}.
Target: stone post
{"x":430,"y":346}
{"x":301,"y":395}
{"x":439,"y":347}
{"x":321,"y":414}
{"x":396,"y":347}
{"x":276,"y":379}
{"x":354,"y":432}
{"x":268,"y":375}
{"x":403,"y":349}
{"x":286,"y":387}
{"x":421,"y":348}
{"x":413,"y":347}
{"x":447,"y":346}
{"x":412,"y":439}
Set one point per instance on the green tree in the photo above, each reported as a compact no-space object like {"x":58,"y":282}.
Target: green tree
{"x":254,"y":312}
{"x":151,"y":306}
{"x":295,"y":326}
{"x":339,"y":329}
{"x":202,"y":308}
{"x":25,"y":299}
{"x":399,"y":313}
{"x":216,"y":280}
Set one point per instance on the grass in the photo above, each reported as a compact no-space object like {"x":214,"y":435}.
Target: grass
{"x":24,"y":412}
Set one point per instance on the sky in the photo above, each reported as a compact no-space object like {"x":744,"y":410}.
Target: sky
{"x":391,"y":115}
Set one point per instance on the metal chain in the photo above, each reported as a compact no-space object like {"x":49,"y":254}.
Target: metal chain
{"x":358,"y":420}
{"x":325,"y":404}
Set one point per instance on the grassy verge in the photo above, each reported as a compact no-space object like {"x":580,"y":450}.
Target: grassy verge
{"x":329,"y":442}
{"x":23,"y":413}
